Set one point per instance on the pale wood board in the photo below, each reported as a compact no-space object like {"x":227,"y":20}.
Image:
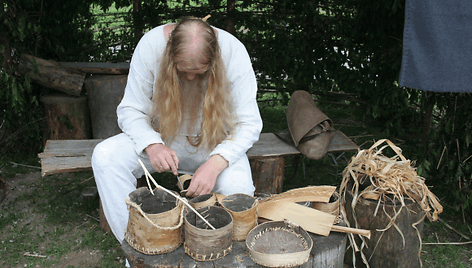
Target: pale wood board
{"x":305,"y":194}
{"x":310,"y":219}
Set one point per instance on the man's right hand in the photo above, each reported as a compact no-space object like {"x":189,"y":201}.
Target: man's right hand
{"x":162,"y":158}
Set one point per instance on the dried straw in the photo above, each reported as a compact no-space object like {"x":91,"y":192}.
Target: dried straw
{"x":394,"y":176}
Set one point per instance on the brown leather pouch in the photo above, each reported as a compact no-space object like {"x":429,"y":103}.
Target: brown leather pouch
{"x":310,"y":130}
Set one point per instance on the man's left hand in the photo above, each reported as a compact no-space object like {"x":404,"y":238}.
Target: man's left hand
{"x":205,"y":177}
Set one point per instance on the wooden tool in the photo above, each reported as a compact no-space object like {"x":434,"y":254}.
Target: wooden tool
{"x":310,"y":219}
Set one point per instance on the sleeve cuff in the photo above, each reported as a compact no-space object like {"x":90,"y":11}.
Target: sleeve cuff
{"x":145,"y":140}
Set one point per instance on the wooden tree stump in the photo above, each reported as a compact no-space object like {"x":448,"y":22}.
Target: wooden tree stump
{"x":104,"y":226}
{"x":268,"y":174}
{"x":67,"y":117}
{"x":388,"y":248}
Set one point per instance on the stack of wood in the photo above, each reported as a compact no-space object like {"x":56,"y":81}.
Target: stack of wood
{"x":67,"y":113}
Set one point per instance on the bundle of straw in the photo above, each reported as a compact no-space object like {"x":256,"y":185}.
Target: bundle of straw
{"x":393,"y":177}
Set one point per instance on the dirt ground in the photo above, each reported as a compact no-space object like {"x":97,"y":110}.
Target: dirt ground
{"x":34,"y":239}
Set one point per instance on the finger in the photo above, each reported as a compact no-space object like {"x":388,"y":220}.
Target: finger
{"x":174,"y":164}
{"x":192,"y":190}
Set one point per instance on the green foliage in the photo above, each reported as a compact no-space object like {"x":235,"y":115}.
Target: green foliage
{"x":18,"y":97}
{"x":448,"y":163}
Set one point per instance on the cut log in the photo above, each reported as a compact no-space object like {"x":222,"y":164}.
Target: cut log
{"x":104,"y":94}
{"x":268,"y":174}
{"x":67,"y":117}
{"x":99,"y":67}
{"x":51,"y":74}
{"x":399,"y":246}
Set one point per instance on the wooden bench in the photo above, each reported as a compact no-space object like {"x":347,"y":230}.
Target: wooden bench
{"x":267,"y":158}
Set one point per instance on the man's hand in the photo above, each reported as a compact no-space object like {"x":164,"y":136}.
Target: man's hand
{"x":162,"y":158}
{"x":204,"y":178}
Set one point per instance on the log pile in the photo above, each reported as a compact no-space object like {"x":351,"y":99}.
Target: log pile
{"x":67,"y":107}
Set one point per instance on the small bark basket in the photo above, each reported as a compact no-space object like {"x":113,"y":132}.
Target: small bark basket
{"x":279,"y":244}
{"x":243,"y":208}
{"x":155,"y":221}
{"x":203,"y":201}
{"x":203,"y":243}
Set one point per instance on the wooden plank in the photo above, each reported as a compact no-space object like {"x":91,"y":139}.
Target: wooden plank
{"x":99,"y":67}
{"x":269,"y":145}
{"x":61,"y":156}
{"x":342,"y":143}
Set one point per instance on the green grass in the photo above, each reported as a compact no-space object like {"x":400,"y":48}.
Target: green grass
{"x":65,"y":223}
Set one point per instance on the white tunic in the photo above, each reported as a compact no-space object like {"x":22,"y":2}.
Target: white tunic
{"x":135,"y":108}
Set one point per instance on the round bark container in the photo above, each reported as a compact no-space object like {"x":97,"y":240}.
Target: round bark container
{"x":243,"y":208}
{"x":279,"y":244}
{"x":202,"y":243}
{"x":155,"y":221}
{"x":203,"y":201}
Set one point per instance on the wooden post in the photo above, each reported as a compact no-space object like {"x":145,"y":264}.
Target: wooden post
{"x":103,"y":220}
{"x":268,"y":174}
{"x":67,"y":117}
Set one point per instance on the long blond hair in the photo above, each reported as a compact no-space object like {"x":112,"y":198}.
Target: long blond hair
{"x":168,"y":106}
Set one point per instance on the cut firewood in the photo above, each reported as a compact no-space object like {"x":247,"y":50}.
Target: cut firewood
{"x":51,"y":74}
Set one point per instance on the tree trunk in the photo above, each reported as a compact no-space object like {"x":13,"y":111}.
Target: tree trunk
{"x":138,"y":20}
{"x":51,"y":74}
{"x":67,"y":117}
{"x":231,"y":7}
{"x":399,"y":246}
{"x":268,"y":174}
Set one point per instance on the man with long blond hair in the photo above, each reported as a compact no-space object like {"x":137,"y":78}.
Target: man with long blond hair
{"x":189,"y":107}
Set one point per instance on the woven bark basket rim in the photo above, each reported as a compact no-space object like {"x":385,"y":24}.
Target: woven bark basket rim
{"x":279,"y":259}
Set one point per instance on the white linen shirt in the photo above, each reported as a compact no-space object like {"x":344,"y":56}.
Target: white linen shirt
{"x":135,"y":108}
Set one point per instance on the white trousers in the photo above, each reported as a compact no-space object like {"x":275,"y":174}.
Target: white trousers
{"x":116,"y":169}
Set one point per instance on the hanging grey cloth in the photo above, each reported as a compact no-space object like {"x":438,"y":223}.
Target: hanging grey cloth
{"x":437,"y":46}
